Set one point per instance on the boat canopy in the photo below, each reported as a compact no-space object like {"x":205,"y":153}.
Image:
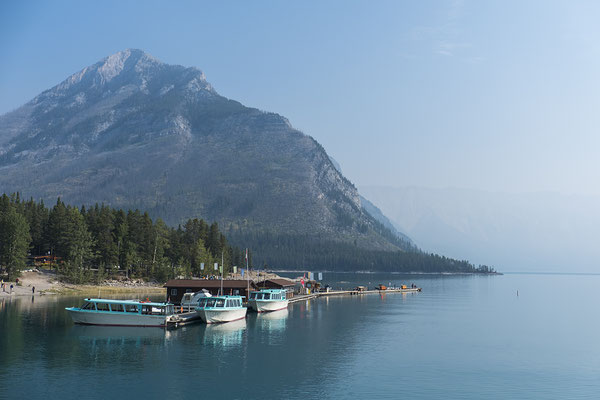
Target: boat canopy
{"x":131,"y":302}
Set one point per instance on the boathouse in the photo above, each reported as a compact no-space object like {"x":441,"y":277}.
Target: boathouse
{"x":277,"y":284}
{"x":177,"y":287}
{"x":280,"y":283}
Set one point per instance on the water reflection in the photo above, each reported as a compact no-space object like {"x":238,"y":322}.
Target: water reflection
{"x":272,"y":321}
{"x":229,"y":334}
{"x":119,"y":335}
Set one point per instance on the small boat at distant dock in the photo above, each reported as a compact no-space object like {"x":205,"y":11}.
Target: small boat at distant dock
{"x":122,"y":313}
{"x":218,"y":309}
{"x":268,"y":300}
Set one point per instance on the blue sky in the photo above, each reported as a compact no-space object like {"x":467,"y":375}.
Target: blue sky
{"x":491,"y":95}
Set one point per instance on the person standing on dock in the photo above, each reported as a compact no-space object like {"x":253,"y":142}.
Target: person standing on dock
{"x":33,"y":290}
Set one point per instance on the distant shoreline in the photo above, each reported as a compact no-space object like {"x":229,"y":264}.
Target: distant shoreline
{"x":383,"y":272}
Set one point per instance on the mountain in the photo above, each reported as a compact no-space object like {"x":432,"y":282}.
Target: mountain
{"x":133,"y":132}
{"x":515,"y":232}
{"x":376,"y":213}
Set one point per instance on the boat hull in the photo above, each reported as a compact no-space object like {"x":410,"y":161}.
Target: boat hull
{"x":213,"y":316}
{"x":267,"y":305}
{"x":115,"y":319}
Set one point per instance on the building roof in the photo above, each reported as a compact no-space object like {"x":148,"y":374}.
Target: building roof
{"x":280,"y":282}
{"x":209,"y":284}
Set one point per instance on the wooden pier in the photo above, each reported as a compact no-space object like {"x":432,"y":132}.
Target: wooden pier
{"x":353,"y":292}
{"x":184,"y":318}
{"x":187,"y":315}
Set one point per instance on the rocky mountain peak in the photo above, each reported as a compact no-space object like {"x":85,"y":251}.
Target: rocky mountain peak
{"x":129,"y":70}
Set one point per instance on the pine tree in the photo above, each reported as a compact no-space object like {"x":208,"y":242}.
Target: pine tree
{"x":14,"y":241}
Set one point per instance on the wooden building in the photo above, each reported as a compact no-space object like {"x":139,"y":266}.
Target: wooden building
{"x":277,"y":284}
{"x":177,"y":287}
{"x":286,"y":284}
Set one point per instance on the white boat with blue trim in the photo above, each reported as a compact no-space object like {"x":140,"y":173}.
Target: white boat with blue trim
{"x":218,"y":309}
{"x":266,"y":300}
{"x":122,"y":313}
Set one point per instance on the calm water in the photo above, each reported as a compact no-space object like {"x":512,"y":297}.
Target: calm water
{"x":461,"y":338}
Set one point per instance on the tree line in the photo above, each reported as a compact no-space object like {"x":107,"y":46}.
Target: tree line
{"x":96,"y":242}
{"x":291,"y":251}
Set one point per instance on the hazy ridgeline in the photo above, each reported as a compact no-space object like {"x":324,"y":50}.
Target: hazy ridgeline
{"x":543,"y":231}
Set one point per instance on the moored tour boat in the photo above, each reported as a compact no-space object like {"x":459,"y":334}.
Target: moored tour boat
{"x":221,"y":309}
{"x":268,"y":300}
{"x":122,"y":313}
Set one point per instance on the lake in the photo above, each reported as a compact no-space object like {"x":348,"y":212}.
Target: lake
{"x":462,"y":337}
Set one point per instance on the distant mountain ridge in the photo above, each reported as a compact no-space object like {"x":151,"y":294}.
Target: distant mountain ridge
{"x":547,"y":232}
{"x":133,"y":132}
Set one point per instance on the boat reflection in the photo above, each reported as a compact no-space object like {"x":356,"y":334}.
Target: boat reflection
{"x":228,"y":334}
{"x":120,"y":335}
{"x":273,"y":321}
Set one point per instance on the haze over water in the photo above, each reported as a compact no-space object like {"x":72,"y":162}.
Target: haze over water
{"x":462,"y":337}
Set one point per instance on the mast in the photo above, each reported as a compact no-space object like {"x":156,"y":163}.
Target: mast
{"x":222,"y":258}
{"x":247,"y":277}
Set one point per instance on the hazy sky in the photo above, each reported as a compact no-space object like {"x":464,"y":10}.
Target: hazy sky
{"x":478,"y":94}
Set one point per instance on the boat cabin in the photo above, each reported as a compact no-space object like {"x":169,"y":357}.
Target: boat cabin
{"x":127,"y":306}
{"x":268,"y":294}
{"x":221,"y":302}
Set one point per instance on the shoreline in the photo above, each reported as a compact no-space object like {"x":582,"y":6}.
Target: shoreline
{"x":47,"y":283}
{"x":384,"y":272}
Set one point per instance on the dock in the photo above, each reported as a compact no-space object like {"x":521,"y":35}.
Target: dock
{"x":353,"y":292}
{"x":184,"y":318}
{"x":186,"y":315}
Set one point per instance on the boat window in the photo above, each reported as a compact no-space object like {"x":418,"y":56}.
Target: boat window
{"x":229,"y":303}
{"x":202,"y":302}
{"x":220,"y":303}
{"x":158,"y":310}
{"x":259,"y":296}
{"x":267,"y":296}
{"x":116,"y":307}
{"x":146,"y":310}
{"x":132,"y":308}
{"x":252,"y":295}
{"x":211,"y":302}
{"x":88,"y":306}
{"x":102,"y":306}
{"x":188,"y":290}
{"x":239,"y":302}
{"x":170,"y":310}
